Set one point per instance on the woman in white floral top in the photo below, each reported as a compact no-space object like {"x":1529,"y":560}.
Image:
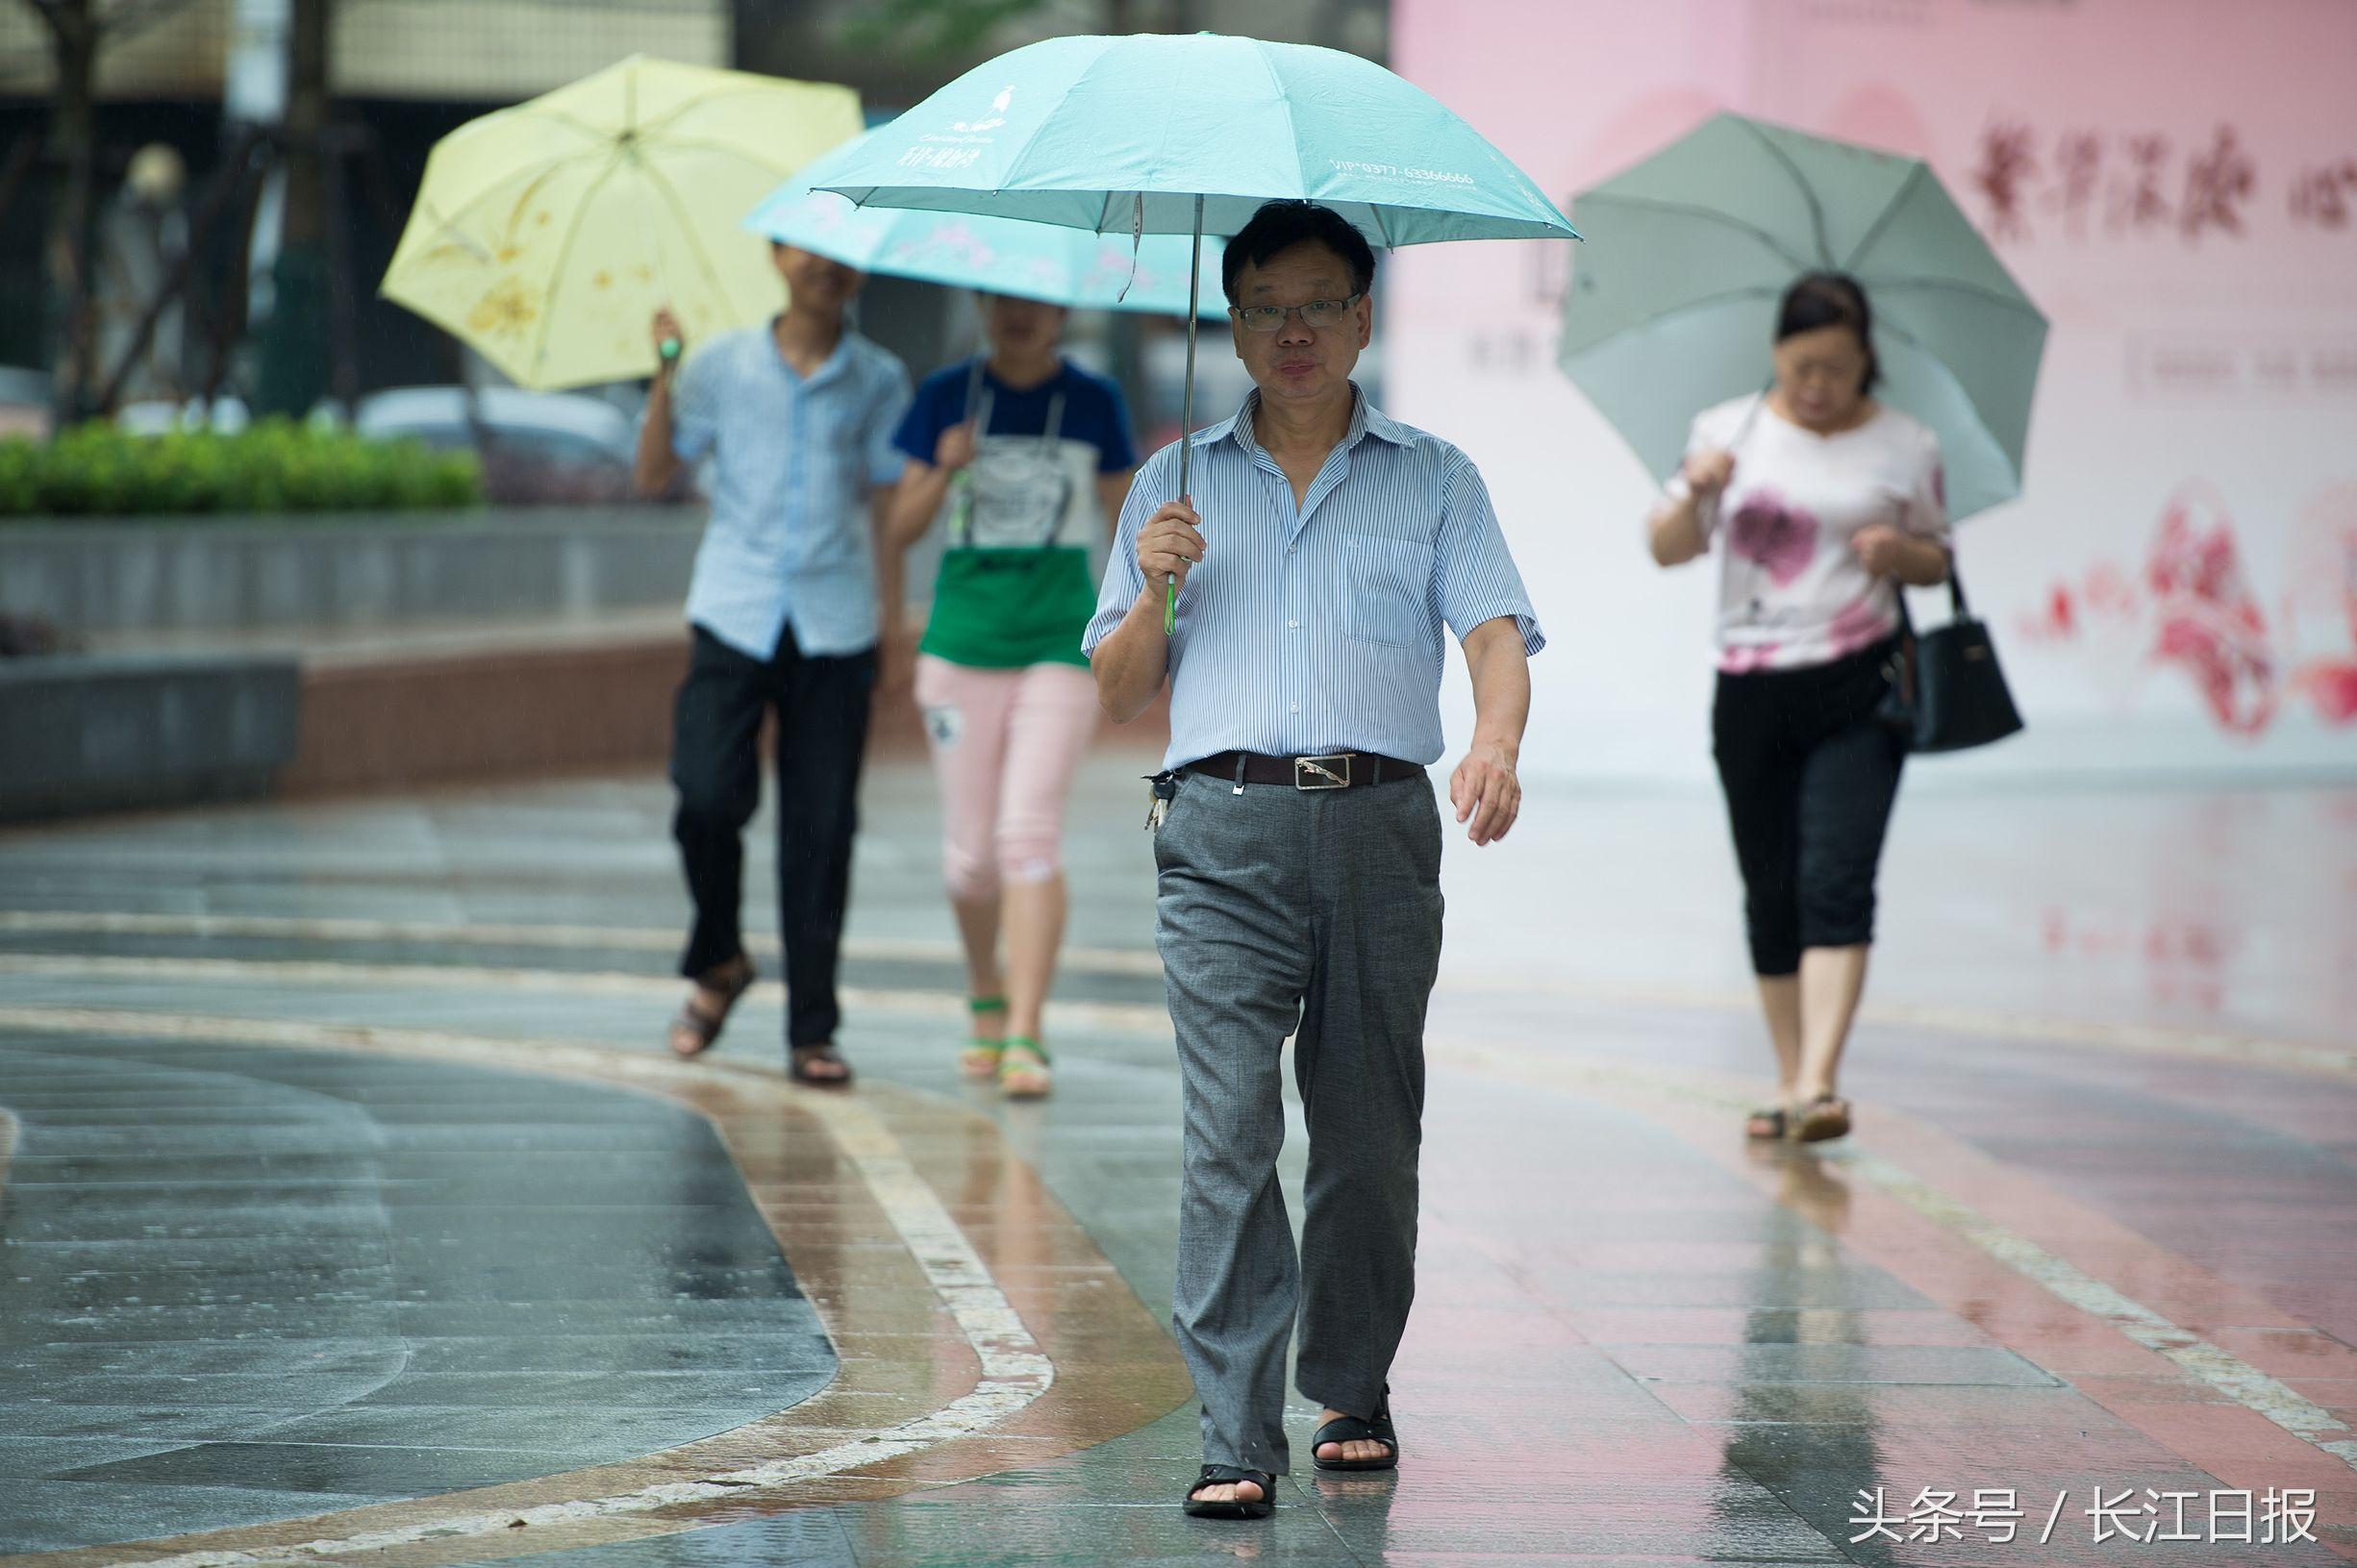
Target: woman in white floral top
{"x":1824,"y":501}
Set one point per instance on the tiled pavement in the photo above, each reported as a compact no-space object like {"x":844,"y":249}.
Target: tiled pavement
{"x":351,"y":1183}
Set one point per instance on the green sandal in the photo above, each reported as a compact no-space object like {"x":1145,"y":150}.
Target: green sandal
{"x":980,"y":1058}
{"x":1013,"y":1071}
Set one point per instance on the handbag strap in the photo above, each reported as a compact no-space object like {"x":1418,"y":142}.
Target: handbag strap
{"x":1957,"y":608}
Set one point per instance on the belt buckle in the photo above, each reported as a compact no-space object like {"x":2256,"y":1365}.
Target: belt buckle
{"x":1312,"y":773}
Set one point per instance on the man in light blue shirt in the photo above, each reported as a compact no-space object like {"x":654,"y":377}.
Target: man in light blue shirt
{"x":1325,"y":550}
{"x":785,"y":613}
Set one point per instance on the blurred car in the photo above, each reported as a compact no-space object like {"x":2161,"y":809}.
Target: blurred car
{"x":24,"y":402}
{"x":537,"y":448}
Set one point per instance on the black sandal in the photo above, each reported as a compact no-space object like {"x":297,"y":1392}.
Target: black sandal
{"x":695,"y":1026}
{"x":1232,"y":1508}
{"x":1349,"y":1429}
{"x":1827,"y":1116}
{"x":801,"y":1056}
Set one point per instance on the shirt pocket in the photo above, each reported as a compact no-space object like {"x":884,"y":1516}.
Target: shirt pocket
{"x":825,"y":437}
{"x":1390,"y":584}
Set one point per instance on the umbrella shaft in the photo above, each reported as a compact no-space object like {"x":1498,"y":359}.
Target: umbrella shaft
{"x":1186,"y":400}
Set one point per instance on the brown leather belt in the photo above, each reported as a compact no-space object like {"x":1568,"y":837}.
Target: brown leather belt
{"x":1332,"y":770}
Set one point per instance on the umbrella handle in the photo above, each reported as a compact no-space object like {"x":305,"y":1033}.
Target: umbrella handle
{"x":1751,"y":416}
{"x":1186,"y":404}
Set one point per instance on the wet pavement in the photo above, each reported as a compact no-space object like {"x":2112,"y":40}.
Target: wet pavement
{"x":356,"y":1214}
{"x":242,"y":1280}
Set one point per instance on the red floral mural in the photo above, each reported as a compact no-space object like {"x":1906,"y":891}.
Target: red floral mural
{"x":2192,"y":605}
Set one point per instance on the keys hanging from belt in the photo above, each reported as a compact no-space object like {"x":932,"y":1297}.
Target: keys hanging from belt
{"x":1165,"y":791}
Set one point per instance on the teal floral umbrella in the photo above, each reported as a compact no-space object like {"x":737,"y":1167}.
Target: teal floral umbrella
{"x":1674,"y":311}
{"x":1048,"y":261}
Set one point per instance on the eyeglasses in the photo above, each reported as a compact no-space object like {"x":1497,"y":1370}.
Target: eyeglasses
{"x":1316,"y":316}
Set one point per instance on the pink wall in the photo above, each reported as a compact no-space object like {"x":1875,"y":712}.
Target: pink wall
{"x":2174,"y":180}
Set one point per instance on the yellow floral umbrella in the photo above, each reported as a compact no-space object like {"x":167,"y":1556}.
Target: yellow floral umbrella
{"x":546,"y":235}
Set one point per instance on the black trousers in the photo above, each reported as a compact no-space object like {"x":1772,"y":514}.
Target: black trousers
{"x":822,"y":707}
{"x":1810,"y":777}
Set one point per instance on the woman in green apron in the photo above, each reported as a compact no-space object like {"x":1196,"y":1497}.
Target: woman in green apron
{"x":1023,"y":459}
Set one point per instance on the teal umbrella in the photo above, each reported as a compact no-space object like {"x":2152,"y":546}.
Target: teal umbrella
{"x":1676,"y":312}
{"x":1127,"y":135}
{"x":1158,"y":135}
{"x":999,"y":256}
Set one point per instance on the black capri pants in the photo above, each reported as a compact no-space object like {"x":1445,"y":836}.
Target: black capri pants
{"x":1810,"y":776}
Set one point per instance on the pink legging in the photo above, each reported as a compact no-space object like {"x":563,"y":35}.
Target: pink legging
{"x":1005,"y":746}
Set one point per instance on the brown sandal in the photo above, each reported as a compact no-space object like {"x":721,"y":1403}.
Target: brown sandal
{"x":1766,"y":1125}
{"x":1827,"y":1116}
{"x":728,"y":981}
{"x":801,"y":1056}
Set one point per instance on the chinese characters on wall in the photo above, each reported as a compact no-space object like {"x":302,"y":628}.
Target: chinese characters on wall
{"x":2081,"y":182}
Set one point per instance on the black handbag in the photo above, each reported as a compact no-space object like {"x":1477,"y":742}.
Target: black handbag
{"x":1946,"y":692}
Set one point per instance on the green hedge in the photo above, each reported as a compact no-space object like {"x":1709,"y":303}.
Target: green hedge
{"x":98,"y":470}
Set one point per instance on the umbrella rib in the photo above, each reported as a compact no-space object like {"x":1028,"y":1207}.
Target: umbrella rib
{"x":1901,"y":332}
{"x":1276,"y":89}
{"x":1195,"y":225}
{"x":565,"y":254}
{"x":1807,"y":193}
{"x":1710,"y":214}
{"x":1682,"y":307}
{"x":2012,"y":471}
{"x":442,"y":235}
{"x":693,"y":101}
{"x":1957,"y":285}
{"x":687,"y":228}
{"x":1882,"y":220}
{"x":596,"y":134}
{"x":1885,"y":285}
{"x":537,"y":173}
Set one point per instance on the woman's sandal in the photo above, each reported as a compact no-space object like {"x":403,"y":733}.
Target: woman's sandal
{"x":1349,"y":1429}
{"x":798,"y":1068}
{"x":1233,"y":1507}
{"x":980,"y":1058}
{"x":1023,"y":1070}
{"x":1766,"y":1125}
{"x":1827,"y":1116}
{"x":695,"y":1026}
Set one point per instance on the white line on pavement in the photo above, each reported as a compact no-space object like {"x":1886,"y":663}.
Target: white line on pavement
{"x":1015,"y":1371}
{"x":1122,"y":1016}
{"x":2237,"y":1378}
{"x":1136,"y":963}
{"x":1104,"y":961}
{"x":2230,"y":1375}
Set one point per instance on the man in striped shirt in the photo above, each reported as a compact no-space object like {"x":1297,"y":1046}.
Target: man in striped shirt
{"x":1323,"y":552}
{"x":789,"y":609}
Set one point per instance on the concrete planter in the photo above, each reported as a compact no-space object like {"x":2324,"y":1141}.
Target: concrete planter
{"x":92,"y":577}
{"x":81,"y":734}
